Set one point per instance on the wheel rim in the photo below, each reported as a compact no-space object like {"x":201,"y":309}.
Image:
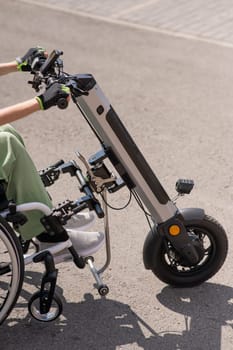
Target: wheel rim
{"x":54,"y":312}
{"x":10,"y":276}
{"x":173,"y":261}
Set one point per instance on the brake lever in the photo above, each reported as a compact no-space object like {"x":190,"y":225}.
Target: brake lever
{"x":37,"y":64}
{"x":36,"y":82}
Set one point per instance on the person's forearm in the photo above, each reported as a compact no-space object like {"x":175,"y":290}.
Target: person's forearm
{"x":18,"y":111}
{"x":8,"y":67}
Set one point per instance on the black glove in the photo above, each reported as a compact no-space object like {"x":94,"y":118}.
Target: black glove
{"x":35,"y":55}
{"x":55,"y":94}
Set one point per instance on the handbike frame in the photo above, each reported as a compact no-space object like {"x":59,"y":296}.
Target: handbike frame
{"x":131,"y":165}
{"x":122,"y":151}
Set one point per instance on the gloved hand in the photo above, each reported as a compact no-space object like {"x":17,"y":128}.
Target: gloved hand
{"x":24,"y":63}
{"x":55,"y":94}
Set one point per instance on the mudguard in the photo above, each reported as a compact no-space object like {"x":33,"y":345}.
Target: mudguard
{"x":154,"y":239}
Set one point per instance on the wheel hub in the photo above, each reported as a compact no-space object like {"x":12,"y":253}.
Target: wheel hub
{"x":198,"y":245}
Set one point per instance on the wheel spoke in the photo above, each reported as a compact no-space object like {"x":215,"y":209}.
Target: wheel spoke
{"x":4,"y":268}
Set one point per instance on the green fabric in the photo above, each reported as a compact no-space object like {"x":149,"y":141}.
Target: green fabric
{"x":23,"y":183}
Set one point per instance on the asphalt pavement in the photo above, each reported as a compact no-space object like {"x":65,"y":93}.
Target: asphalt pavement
{"x":173,"y":90}
{"x":205,"y":20}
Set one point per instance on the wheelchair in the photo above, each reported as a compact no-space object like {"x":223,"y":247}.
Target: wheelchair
{"x":45,"y":305}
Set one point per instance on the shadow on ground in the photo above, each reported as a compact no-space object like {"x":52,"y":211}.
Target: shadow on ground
{"x":109,"y":324}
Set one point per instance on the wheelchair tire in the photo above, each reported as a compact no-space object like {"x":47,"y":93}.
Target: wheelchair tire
{"x":34,"y":307}
{"x":11,"y":269}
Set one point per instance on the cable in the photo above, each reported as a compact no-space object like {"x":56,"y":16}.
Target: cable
{"x":140,"y":204}
{"x":121,"y":208}
{"x":138,"y":200}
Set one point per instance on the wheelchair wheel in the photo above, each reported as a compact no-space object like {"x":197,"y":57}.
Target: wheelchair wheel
{"x":34,"y":307}
{"x":11,"y":269}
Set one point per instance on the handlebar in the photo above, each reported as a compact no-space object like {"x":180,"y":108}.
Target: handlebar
{"x":51,"y":71}
{"x":50,"y":62}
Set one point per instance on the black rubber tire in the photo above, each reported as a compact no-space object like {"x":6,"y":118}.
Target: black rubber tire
{"x":11,"y":278}
{"x":208,"y":267}
{"x":33,"y":308}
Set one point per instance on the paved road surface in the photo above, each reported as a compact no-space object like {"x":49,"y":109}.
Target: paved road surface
{"x":206,"y":20}
{"x":175,"y":96}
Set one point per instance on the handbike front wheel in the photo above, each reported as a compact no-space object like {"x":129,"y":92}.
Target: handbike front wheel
{"x":169,"y":266}
{"x":11,"y":269}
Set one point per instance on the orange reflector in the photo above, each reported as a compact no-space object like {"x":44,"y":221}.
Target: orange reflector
{"x":174,"y":230}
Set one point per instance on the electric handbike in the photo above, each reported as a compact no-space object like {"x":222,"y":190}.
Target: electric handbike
{"x":184,"y":247}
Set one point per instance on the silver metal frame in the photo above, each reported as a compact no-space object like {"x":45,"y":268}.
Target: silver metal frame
{"x":58,"y":247}
{"x":96,"y":109}
{"x":90,"y":106}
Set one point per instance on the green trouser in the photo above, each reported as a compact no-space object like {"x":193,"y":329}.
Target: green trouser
{"x":23,"y":183}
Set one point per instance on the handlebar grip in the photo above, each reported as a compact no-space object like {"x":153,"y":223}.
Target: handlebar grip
{"x":62,"y":103}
